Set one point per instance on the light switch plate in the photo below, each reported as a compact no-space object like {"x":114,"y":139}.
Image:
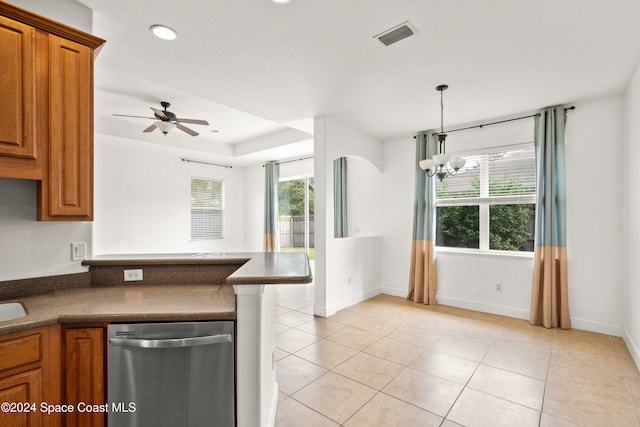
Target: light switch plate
{"x":78,"y":251}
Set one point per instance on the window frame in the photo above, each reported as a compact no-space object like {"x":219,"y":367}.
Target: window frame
{"x":484,"y":201}
{"x":221,"y":209}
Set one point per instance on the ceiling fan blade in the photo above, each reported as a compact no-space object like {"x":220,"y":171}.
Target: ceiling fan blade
{"x":187,"y":130}
{"x":193,"y":121}
{"x":138,"y":117}
{"x":159,"y":113}
{"x":150,"y":128}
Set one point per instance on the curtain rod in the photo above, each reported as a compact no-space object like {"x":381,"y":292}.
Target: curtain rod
{"x":501,"y":121}
{"x":206,"y":163}
{"x":293,"y":160}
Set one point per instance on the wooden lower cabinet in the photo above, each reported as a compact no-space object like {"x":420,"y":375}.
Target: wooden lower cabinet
{"x":84,"y":373}
{"x":29,"y":377}
{"x":53,"y":367}
{"x":23,"y":395}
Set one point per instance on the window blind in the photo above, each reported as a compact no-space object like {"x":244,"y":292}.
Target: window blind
{"x":207,"y":209}
{"x":504,"y":176}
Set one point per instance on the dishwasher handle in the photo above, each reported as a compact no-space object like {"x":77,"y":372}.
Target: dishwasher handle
{"x":172,"y":342}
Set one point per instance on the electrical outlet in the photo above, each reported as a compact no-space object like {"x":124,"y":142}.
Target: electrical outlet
{"x":133,"y":275}
{"x":78,"y":251}
{"x":498,"y":287}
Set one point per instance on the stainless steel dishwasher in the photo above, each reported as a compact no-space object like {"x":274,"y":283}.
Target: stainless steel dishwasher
{"x":171,"y":374}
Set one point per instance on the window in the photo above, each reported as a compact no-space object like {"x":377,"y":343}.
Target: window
{"x":207,"y":209}
{"x":490,"y":203}
{"x":296,"y":216}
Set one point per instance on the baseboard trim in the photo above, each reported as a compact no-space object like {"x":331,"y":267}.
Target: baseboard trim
{"x":515,"y":312}
{"x":402,"y":293}
{"x":330,"y":310}
{"x":322,"y":311}
{"x":501,"y":310}
{"x":519,"y":313}
{"x":273,"y":408}
{"x":631,"y":346}
{"x":595,"y":326}
{"x":355,"y":299}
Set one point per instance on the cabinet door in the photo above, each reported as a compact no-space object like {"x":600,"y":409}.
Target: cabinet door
{"x":20,"y":389}
{"x":70,"y":181}
{"x":17,"y":89}
{"x":84,"y":374}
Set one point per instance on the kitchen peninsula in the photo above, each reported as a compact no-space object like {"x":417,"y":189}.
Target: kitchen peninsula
{"x":177,"y":287}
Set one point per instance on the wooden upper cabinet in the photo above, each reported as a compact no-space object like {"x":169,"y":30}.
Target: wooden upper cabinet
{"x":70,"y":183}
{"x":18,"y":148}
{"x":46,"y":111}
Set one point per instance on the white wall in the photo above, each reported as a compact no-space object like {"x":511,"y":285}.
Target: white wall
{"x":254,"y":208}
{"x":397,"y":213}
{"x":29,"y":248}
{"x":594,"y":240}
{"x":296,"y":168}
{"x":347,"y":270}
{"x":595,"y":212}
{"x":143,"y":195}
{"x":34,"y":249}
{"x":631,"y":290}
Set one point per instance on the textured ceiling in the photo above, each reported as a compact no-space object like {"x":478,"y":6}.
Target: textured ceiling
{"x":259,"y":71}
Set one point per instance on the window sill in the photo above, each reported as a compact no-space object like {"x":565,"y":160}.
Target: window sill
{"x":478,"y":252}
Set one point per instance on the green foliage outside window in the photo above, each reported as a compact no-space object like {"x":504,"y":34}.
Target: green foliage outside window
{"x":291,"y":197}
{"x":458,"y":226}
{"x":510,"y":229}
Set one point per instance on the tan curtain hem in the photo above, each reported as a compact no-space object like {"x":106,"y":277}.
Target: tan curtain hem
{"x":422,"y":273}
{"x":549,"y":295}
{"x":269,"y":243}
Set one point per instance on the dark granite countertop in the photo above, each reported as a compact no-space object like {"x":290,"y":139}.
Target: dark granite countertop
{"x":157,"y":303}
{"x":256,"y":267}
{"x":126,"y":304}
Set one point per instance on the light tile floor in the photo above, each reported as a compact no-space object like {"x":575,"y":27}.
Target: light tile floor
{"x":389,"y":362}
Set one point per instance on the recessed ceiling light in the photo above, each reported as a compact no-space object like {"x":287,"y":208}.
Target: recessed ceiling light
{"x":163,"y":32}
{"x":281,"y":1}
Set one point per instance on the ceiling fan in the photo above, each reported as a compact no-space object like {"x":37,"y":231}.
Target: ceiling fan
{"x":166,"y":120}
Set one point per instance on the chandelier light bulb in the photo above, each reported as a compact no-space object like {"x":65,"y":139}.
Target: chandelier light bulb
{"x":457,"y":162}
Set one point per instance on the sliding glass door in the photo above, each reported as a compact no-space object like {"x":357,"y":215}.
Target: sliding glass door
{"x":296,"y":215}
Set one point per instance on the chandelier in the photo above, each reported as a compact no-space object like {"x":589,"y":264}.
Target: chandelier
{"x":443,"y":163}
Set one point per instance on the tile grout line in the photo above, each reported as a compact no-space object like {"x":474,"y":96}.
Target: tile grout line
{"x":534,"y":338}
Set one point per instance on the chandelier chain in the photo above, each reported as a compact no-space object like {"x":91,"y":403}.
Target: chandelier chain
{"x":441,"y":112}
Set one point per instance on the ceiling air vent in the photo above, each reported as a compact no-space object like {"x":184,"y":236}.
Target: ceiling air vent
{"x":397,"y":33}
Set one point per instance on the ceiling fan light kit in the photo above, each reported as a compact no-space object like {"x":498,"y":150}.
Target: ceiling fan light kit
{"x":165,"y":127}
{"x":167,"y":121}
